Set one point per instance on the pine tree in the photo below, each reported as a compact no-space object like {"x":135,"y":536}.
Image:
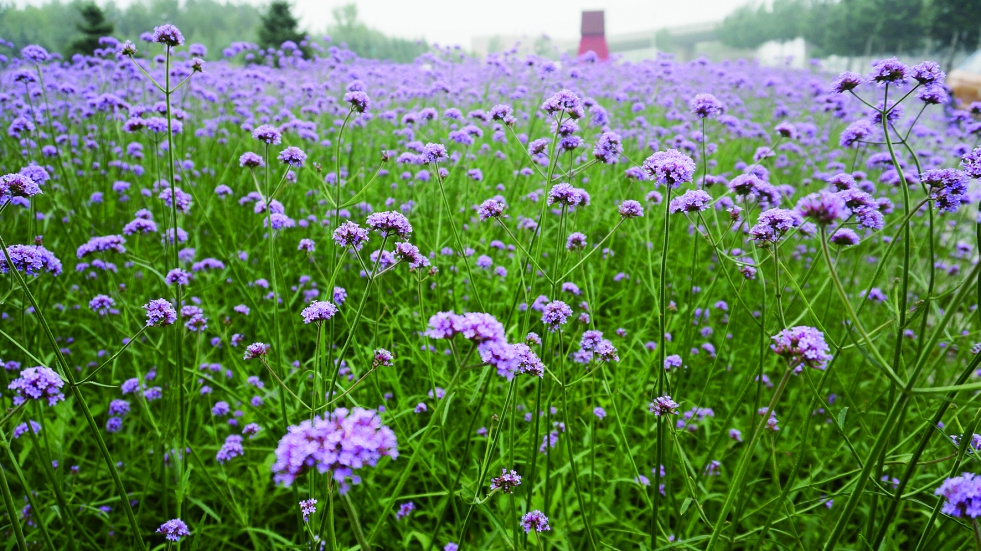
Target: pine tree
{"x":278,"y":26}
{"x":94,"y":27}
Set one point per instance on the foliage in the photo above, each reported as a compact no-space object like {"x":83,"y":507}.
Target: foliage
{"x":94,"y":27}
{"x":656,"y":304}
{"x":278,"y":26}
{"x":854,"y":27}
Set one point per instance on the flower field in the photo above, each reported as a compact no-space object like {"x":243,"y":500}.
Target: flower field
{"x":298,"y":299}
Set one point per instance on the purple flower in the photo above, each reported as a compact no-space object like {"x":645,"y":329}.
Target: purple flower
{"x":855,"y":133}
{"x":824,"y":208}
{"x":846,"y":81}
{"x":773,"y":224}
{"x":251,"y":160}
{"x":492,"y":208}
{"x":174,"y":529}
{"x":671,"y":168}
{"x":565,"y":194}
{"x":556,"y":314}
{"x":927,"y":73}
{"x":318,"y":311}
{"x":168,"y":35}
{"x":962,"y":496}
{"x":663,"y":405}
{"x":434,"y":152}
{"x":706,"y":106}
{"x":693,"y":200}
{"x":404,"y":510}
{"x":535,"y":520}
{"x":948,"y":187}
{"x":308,"y":507}
{"x":341,"y":443}
{"x":630,"y":209}
{"x":389,"y":223}
{"x":359,"y":101}
{"x":971,"y":163}
{"x":350,"y":235}
{"x":118,"y":408}
{"x":599,"y":412}
{"x":18,"y":185}
{"x":506,"y":482}
{"x":802,"y":346}
{"x":160,"y":312}
{"x":564,"y":101}
{"x":231,"y":449}
{"x":293,"y":156}
{"x":99,"y":244}
{"x":178,"y":276}
{"x":34,"y":53}
{"x":887,"y":71}
{"x":101,"y":304}
{"x":575,"y":242}
{"x":23,"y":428}
{"x":267,"y":134}
{"x":37,"y":383}
{"x":383,"y":358}
{"x":256,"y":350}
{"x":31,"y":260}
{"x":608,"y":148}
{"x":845,"y":237}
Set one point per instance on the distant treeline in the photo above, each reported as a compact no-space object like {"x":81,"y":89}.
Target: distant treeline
{"x":214,"y":23}
{"x":858,"y":27}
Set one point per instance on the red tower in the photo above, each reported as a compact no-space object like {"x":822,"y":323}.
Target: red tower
{"x":594,"y":35}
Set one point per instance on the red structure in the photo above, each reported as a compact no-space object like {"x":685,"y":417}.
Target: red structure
{"x":594,"y":35}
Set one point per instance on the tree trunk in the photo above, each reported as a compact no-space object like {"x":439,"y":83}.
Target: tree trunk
{"x":953,"y":49}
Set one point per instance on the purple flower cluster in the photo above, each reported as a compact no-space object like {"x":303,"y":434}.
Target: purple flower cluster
{"x":31,"y":260}
{"x":231,"y":449}
{"x":670,"y":168}
{"x":663,"y":405}
{"x":693,"y":200}
{"x":389,"y":223}
{"x":488,"y":334}
{"x":706,"y":106}
{"x":114,"y":243}
{"x":507,"y":482}
{"x":802,"y":346}
{"x":492,"y":208}
{"x":962,"y":496}
{"x":342,"y":443}
{"x":535,"y":520}
{"x":351,"y":235}
{"x":318,"y":312}
{"x":174,"y":529}
{"x":17,"y":185}
{"x":564,"y":101}
{"x":948,"y":187}
{"x":160,"y":312}
{"x":773,"y":224}
{"x":307,"y":508}
{"x":37,"y":383}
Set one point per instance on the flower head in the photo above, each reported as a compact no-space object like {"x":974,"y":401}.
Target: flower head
{"x":168,"y":35}
{"x":308,"y":507}
{"x":663,"y":405}
{"x":360,"y":102}
{"x":340,"y":443}
{"x":174,"y":529}
{"x":802,"y":346}
{"x":962,"y":495}
{"x":256,"y":350}
{"x":160,"y":312}
{"x":535,"y":520}
{"x":630,"y":209}
{"x":889,"y":71}
{"x":267,"y":134}
{"x":693,"y":200}
{"x":37,"y":383}
{"x":670,"y":168}
{"x":506,"y":482}
{"x":556,"y":314}
{"x":706,"y":106}
{"x":390,"y":223}
{"x":350,"y":235}
{"x":318,"y":312}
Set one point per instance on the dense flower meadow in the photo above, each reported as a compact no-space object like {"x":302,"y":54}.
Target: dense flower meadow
{"x":275,"y":302}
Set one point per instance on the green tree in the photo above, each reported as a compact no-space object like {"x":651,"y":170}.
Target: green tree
{"x":93,"y":27}
{"x":955,"y":23}
{"x":278,"y":26}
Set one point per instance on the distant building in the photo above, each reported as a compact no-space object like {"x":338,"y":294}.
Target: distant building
{"x":594,"y":35}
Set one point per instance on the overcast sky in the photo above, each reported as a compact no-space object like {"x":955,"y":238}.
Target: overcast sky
{"x":450,"y":22}
{"x":456,"y":21}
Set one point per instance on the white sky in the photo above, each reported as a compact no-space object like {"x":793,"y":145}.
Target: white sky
{"x":456,"y":21}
